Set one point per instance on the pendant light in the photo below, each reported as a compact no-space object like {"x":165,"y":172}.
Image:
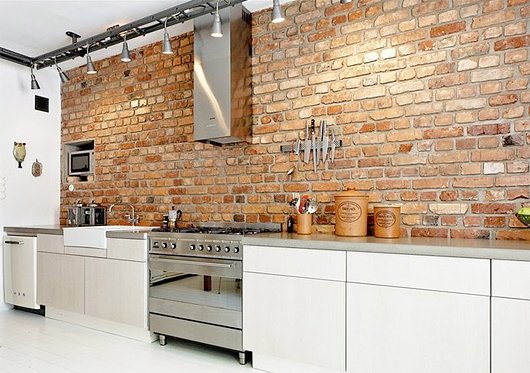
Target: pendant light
{"x":90,"y":69}
{"x":62,"y":74}
{"x":217,"y":32}
{"x":125,"y":55}
{"x":34,"y":83}
{"x":166,"y":49}
{"x":277,"y":15}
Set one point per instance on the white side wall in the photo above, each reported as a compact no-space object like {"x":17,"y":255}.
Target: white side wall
{"x":28,"y":200}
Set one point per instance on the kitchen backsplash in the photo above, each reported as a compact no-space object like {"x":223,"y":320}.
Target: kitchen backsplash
{"x":429,"y":98}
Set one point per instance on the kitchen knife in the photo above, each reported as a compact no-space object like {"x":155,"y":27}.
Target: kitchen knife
{"x":332,"y":155}
{"x":314,"y":145}
{"x":307,"y":144}
{"x":325,"y":142}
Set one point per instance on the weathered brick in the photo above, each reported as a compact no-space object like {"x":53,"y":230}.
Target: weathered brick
{"x":493,"y":18}
{"x":448,"y":208}
{"x":447,"y":29}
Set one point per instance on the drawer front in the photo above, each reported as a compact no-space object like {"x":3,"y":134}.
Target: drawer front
{"x":127,"y":249}
{"x":510,"y":279}
{"x":318,"y":264}
{"x":50,"y":243}
{"x":459,"y":275}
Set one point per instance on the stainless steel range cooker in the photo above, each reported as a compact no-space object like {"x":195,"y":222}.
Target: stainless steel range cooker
{"x":196,"y":281}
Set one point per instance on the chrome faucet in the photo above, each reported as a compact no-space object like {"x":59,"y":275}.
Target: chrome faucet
{"x":131,"y":218}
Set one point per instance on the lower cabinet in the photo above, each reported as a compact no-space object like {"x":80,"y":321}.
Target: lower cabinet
{"x":294,"y":309}
{"x":61,"y":281}
{"x":116,"y":290}
{"x":401,"y":330}
{"x":414,"y":314}
{"x":510,"y":317}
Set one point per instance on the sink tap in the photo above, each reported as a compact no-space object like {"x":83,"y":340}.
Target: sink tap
{"x":131,"y":218}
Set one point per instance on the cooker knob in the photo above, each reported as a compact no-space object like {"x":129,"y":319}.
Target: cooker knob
{"x":209,"y":247}
{"x":201,"y":247}
{"x":173,"y":245}
{"x":156,"y":245}
{"x":217,"y":248}
{"x":192,"y":247}
{"x":164,"y":245}
{"x":227,"y":249}
{"x":236,"y":249}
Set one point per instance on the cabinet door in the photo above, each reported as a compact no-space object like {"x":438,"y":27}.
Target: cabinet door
{"x":510,"y":335}
{"x":20,"y":269}
{"x":61,"y":281}
{"x":403,"y":330}
{"x":297,"y":319}
{"x":116,"y":290}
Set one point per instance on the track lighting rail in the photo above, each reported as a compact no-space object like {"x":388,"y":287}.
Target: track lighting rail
{"x":143,"y":26}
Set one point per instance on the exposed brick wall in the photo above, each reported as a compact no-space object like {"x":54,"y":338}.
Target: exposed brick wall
{"x":429,"y":98}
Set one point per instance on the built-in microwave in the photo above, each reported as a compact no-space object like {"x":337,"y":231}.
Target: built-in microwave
{"x":81,"y":163}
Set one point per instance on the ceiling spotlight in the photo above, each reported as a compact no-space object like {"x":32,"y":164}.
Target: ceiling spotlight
{"x":217,"y":32}
{"x":166,"y":49}
{"x":34,"y":83}
{"x":62,"y":74}
{"x":125,"y":55}
{"x":90,"y":69}
{"x":345,"y":1}
{"x":277,"y":15}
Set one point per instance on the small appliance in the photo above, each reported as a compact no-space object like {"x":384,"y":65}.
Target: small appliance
{"x":81,"y":163}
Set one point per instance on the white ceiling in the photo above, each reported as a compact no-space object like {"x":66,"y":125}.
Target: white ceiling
{"x":35,"y":27}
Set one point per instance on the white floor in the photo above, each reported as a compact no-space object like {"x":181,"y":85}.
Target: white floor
{"x":33,"y":343}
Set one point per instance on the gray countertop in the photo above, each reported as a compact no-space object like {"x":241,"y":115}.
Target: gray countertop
{"x":138,"y":232}
{"x":469,"y":248}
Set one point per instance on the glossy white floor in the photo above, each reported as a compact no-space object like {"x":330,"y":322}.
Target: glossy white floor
{"x":32,"y":343}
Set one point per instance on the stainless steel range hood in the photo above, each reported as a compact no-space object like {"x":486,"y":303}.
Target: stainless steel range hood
{"x":222,"y":79}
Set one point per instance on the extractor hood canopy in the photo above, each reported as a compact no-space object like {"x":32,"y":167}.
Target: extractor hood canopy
{"x":178,"y":14}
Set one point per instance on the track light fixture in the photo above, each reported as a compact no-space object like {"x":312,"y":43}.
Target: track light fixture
{"x":345,"y":1}
{"x":125,"y":55}
{"x":217,"y":31}
{"x":90,"y":69}
{"x":277,"y":14}
{"x":62,"y":74}
{"x":167,"y":43}
{"x":34,"y":83}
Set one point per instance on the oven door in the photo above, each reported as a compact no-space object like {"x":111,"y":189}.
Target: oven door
{"x":197,"y":289}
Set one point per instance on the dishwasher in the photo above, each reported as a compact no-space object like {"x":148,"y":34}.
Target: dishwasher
{"x":20,"y":271}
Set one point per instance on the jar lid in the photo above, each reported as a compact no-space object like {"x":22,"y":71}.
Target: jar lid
{"x":351,"y":193}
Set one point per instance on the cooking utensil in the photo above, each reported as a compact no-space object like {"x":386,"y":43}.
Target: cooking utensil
{"x":291,"y":170}
{"x":311,"y":206}
{"x":301,"y":206}
{"x":332,"y":155}
{"x":307,"y":144}
{"x":314,"y":145}
{"x":325,"y":142}
{"x":297,"y":147}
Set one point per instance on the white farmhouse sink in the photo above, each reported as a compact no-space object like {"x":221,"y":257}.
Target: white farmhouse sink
{"x":94,"y":236}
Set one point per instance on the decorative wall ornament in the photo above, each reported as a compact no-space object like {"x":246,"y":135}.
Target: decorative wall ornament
{"x":19,"y":152}
{"x":36,"y":168}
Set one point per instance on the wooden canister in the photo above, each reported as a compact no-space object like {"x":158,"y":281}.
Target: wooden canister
{"x":304,"y":223}
{"x":387,"y":221}
{"x":351,"y":214}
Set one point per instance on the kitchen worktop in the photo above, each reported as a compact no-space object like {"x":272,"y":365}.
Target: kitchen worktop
{"x":136,"y":232}
{"x":469,"y":248}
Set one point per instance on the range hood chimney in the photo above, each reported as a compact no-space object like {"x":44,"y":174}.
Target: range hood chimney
{"x":222,"y":79}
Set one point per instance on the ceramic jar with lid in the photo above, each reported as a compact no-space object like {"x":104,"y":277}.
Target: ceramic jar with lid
{"x":387,"y":221}
{"x":351,"y":213}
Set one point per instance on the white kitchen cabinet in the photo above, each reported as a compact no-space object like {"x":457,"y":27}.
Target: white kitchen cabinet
{"x":510,"y":317}
{"x":293,"y":314}
{"x":404,"y":317}
{"x":116,"y":290}
{"x":20,"y":271}
{"x":61,"y":281}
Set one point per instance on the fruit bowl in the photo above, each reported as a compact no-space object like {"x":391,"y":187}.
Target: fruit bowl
{"x":523,"y":218}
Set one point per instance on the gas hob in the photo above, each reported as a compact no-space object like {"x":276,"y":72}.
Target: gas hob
{"x":211,"y":241}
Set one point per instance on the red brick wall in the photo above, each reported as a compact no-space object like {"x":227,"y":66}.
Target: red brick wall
{"x":429,"y":98}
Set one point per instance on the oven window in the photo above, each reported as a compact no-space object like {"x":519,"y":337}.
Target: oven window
{"x":210,"y":291}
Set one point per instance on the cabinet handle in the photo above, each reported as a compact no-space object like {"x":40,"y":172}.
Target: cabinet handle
{"x":14,"y":242}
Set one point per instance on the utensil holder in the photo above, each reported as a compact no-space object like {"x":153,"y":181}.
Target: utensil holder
{"x":304,"y":223}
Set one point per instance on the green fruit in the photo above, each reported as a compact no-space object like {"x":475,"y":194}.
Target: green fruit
{"x":524,"y":211}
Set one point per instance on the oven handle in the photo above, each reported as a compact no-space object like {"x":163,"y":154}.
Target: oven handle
{"x":192,"y":262}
